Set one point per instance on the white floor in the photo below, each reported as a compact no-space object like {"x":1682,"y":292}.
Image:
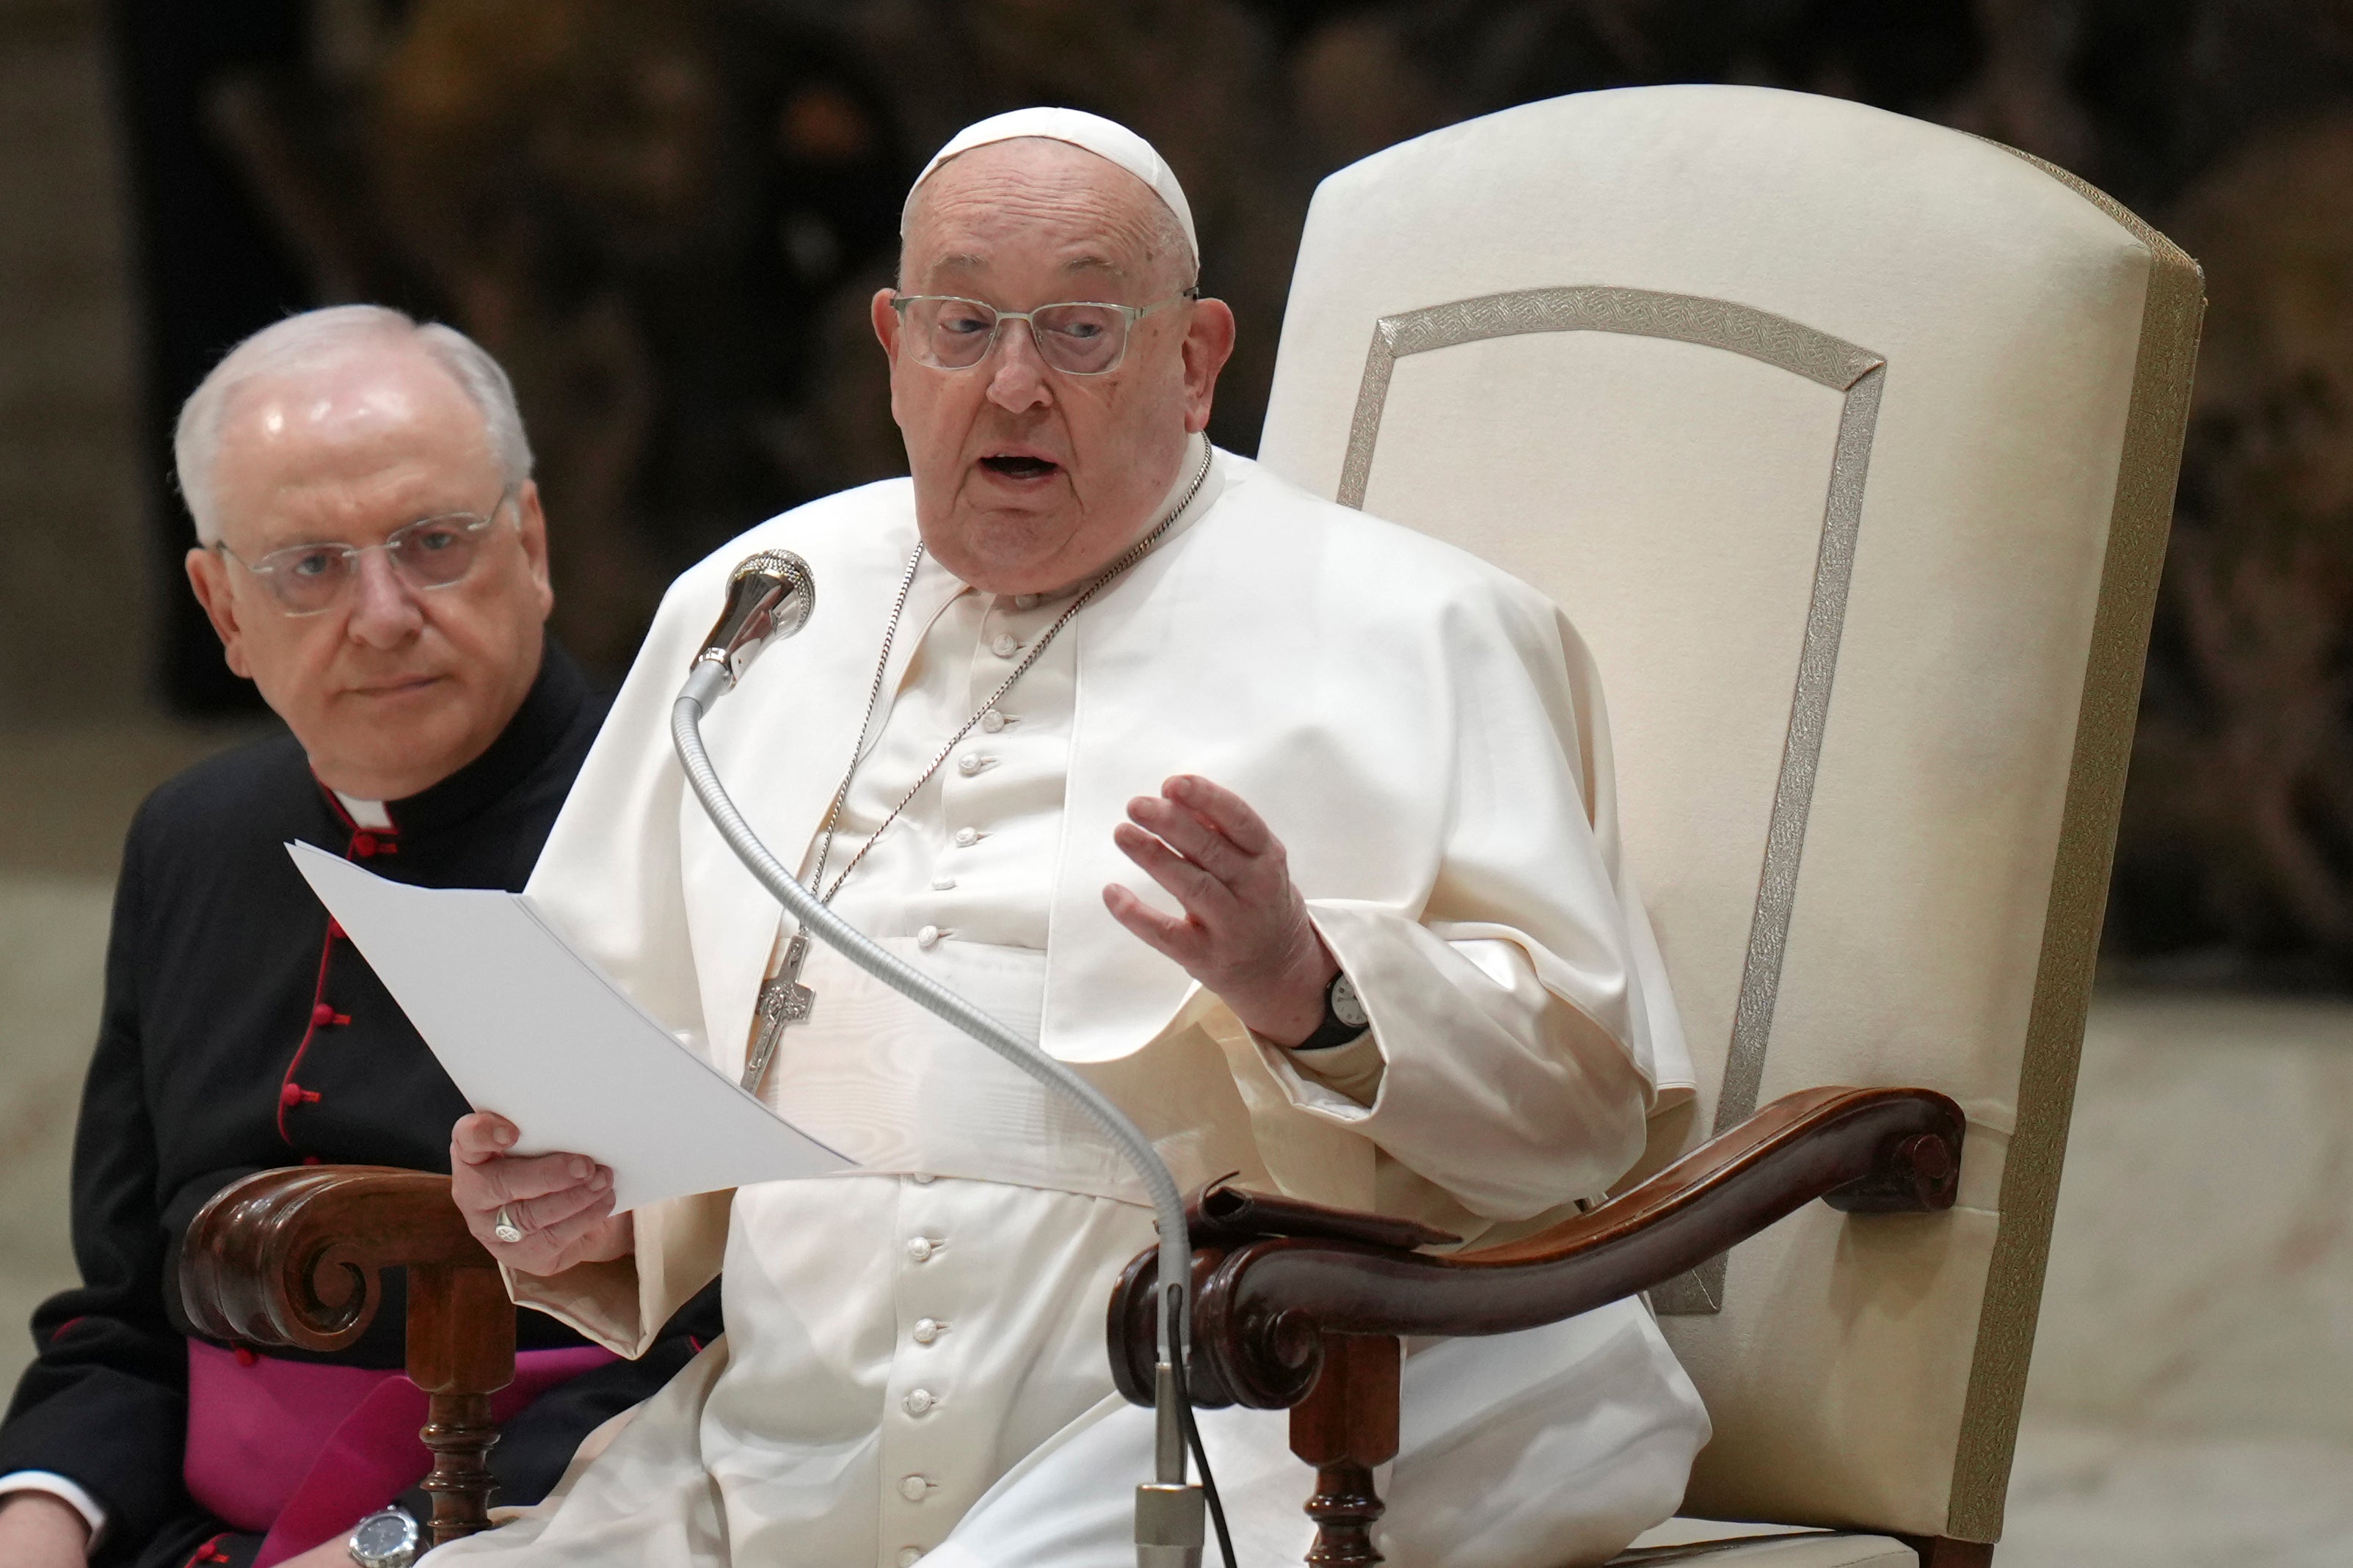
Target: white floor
{"x":2191,"y":1404}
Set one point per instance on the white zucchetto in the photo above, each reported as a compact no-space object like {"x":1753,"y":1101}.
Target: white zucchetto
{"x":1106,"y":138}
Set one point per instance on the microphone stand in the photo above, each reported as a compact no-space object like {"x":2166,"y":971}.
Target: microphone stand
{"x":769,"y":597}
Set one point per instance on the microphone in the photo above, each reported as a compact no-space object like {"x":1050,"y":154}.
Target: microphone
{"x":769,"y":597}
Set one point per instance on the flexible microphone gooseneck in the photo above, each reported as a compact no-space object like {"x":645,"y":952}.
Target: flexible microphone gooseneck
{"x":769,"y":598}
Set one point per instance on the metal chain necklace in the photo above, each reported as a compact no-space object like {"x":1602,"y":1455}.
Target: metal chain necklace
{"x":783,"y":1000}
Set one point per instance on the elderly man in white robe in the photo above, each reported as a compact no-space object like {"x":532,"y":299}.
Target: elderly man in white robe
{"x":1291,"y":829}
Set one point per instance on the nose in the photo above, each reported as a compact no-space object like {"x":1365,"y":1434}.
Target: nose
{"x":1018,"y":381}
{"x":385,"y":612}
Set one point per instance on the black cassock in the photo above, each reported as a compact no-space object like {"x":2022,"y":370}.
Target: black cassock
{"x":241,"y":1032}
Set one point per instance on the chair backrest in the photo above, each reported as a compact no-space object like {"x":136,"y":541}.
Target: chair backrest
{"x":1849,"y":443}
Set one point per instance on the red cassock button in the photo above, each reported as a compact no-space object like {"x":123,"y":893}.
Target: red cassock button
{"x":292,"y":1094}
{"x":321,"y":1015}
{"x":363,"y":845}
{"x":334,"y":931}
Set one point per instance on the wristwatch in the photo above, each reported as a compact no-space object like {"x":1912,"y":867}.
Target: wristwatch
{"x":1344,"y":1016}
{"x":387,"y":1538}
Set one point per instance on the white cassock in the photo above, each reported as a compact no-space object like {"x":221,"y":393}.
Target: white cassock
{"x":914,"y":1365}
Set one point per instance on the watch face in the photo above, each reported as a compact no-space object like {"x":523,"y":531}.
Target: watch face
{"x":387,"y":1539}
{"x":1344,"y":1006}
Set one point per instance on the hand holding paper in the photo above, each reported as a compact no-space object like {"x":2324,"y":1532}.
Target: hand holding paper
{"x":527,"y":1028}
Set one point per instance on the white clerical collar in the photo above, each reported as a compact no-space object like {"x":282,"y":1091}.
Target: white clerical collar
{"x":369,"y":814}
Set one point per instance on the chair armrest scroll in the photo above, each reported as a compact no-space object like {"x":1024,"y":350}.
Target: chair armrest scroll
{"x":294,"y":1257}
{"x":1262,"y":1305}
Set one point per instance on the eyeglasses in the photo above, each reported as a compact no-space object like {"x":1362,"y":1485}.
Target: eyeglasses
{"x":1077,"y":338}
{"x":432,"y":552}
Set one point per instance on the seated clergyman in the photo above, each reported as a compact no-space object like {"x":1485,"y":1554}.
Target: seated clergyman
{"x":1293,"y":829}
{"x":370,"y":548}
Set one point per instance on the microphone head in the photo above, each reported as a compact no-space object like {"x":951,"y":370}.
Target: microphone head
{"x":769,"y":597}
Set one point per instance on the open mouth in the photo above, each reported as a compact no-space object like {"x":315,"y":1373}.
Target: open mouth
{"x":1017,"y":465}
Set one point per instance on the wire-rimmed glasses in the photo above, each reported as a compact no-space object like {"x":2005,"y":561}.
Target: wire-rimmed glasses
{"x":1078,"y":337}
{"x":432,"y":552}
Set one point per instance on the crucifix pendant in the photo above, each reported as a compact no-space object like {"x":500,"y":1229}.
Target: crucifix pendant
{"x":784,"y":1002}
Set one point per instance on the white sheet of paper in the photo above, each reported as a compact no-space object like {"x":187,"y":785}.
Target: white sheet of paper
{"x":529,"y":1028}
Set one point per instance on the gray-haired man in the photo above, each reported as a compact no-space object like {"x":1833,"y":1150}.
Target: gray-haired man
{"x":371,"y":550}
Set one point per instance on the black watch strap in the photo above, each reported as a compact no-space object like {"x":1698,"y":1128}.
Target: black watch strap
{"x":1344,"y":1017}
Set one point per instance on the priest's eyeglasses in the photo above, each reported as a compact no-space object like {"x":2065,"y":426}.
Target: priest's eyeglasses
{"x":1077,"y":338}
{"x":432,"y":552}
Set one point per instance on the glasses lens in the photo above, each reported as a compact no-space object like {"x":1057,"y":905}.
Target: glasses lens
{"x":954,"y":334}
{"x":306,"y":578}
{"x":437,"y":551}
{"x":1084,"y":340}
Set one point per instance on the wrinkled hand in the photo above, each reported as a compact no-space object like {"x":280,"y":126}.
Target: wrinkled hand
{"x":40,"y":1530}
{"x":1245,"y":933}
{"x":563,"y":1203}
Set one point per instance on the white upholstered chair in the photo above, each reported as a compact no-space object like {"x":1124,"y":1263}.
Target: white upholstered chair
{"x":1849,"y":443}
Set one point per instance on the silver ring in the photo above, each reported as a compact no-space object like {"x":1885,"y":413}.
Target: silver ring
{"x":506,"y":1229}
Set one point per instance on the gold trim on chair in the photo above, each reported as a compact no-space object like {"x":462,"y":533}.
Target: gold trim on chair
{"x":2138,"y":523}
{"x":1789,"y":345}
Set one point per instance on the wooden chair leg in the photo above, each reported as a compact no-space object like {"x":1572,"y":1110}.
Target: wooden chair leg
{"x":460,"y":1352}
{"x":1346,"y":1425}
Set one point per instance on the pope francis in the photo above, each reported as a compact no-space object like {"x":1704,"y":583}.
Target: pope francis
{"x":1291,"y":829}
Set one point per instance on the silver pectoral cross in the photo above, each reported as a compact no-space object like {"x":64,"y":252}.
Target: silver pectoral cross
{"x":784,"y":1002}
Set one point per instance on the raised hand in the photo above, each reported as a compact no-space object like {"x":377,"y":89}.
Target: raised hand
{"x":1245,"y":933}
{"x":561,"y":1203}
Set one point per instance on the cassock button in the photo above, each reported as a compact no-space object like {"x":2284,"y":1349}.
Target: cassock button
{"x":992,"y":721}
{"x":926,"y":1330}
{"x":321,"y":1015}
{"x":913,"y":1488}
{"x":920,"y":1248}
{"x":1025,"y":601}
{"x":968,"y":764}
{"x":923,"y":1178}
{"x":910,"y":1555}
{"x":918,"y":1400}
{"x":290,"y":1094}
{"x":928,"y":937}
{"x":363,"y":845}
{"x":942,"y":884}
{"x":1005,"y":647}
{"x":966,"y":837}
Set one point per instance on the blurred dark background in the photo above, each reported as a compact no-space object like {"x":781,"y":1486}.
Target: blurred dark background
{"x":665,"y":218}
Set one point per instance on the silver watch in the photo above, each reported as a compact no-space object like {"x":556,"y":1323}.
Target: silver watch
{"x":387,"y":1538}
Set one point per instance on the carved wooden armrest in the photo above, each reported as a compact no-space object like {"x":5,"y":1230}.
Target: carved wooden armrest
{"x":295,"y":1258}
{"x":1305,"y":1312}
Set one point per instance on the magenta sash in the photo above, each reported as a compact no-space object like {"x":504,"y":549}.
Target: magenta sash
{"x":301,"y":1451}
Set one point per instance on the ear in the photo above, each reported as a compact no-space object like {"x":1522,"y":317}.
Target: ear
{"x":886,"y":332}
{"x":532,"y":532}
{"x":1209,"y":343}
{"x":208,"y":576}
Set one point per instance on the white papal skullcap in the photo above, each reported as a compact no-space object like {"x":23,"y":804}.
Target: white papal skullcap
{"x":1106,"y":138}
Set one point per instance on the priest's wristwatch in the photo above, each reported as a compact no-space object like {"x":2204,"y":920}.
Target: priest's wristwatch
{"x":387,"y":1538}
{"x":1344,"y":1016}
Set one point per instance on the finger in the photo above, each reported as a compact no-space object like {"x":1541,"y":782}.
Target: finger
{"x":1228,"y":812}
{"x":516,"y":1178}
{"x":1205,"y":898}
{"x":560,"y":1246}
{"x":482,"y":1135}
{"x":540,"y":1214}
{"x":1191,"y":834}
{"x":1163,"y":934}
